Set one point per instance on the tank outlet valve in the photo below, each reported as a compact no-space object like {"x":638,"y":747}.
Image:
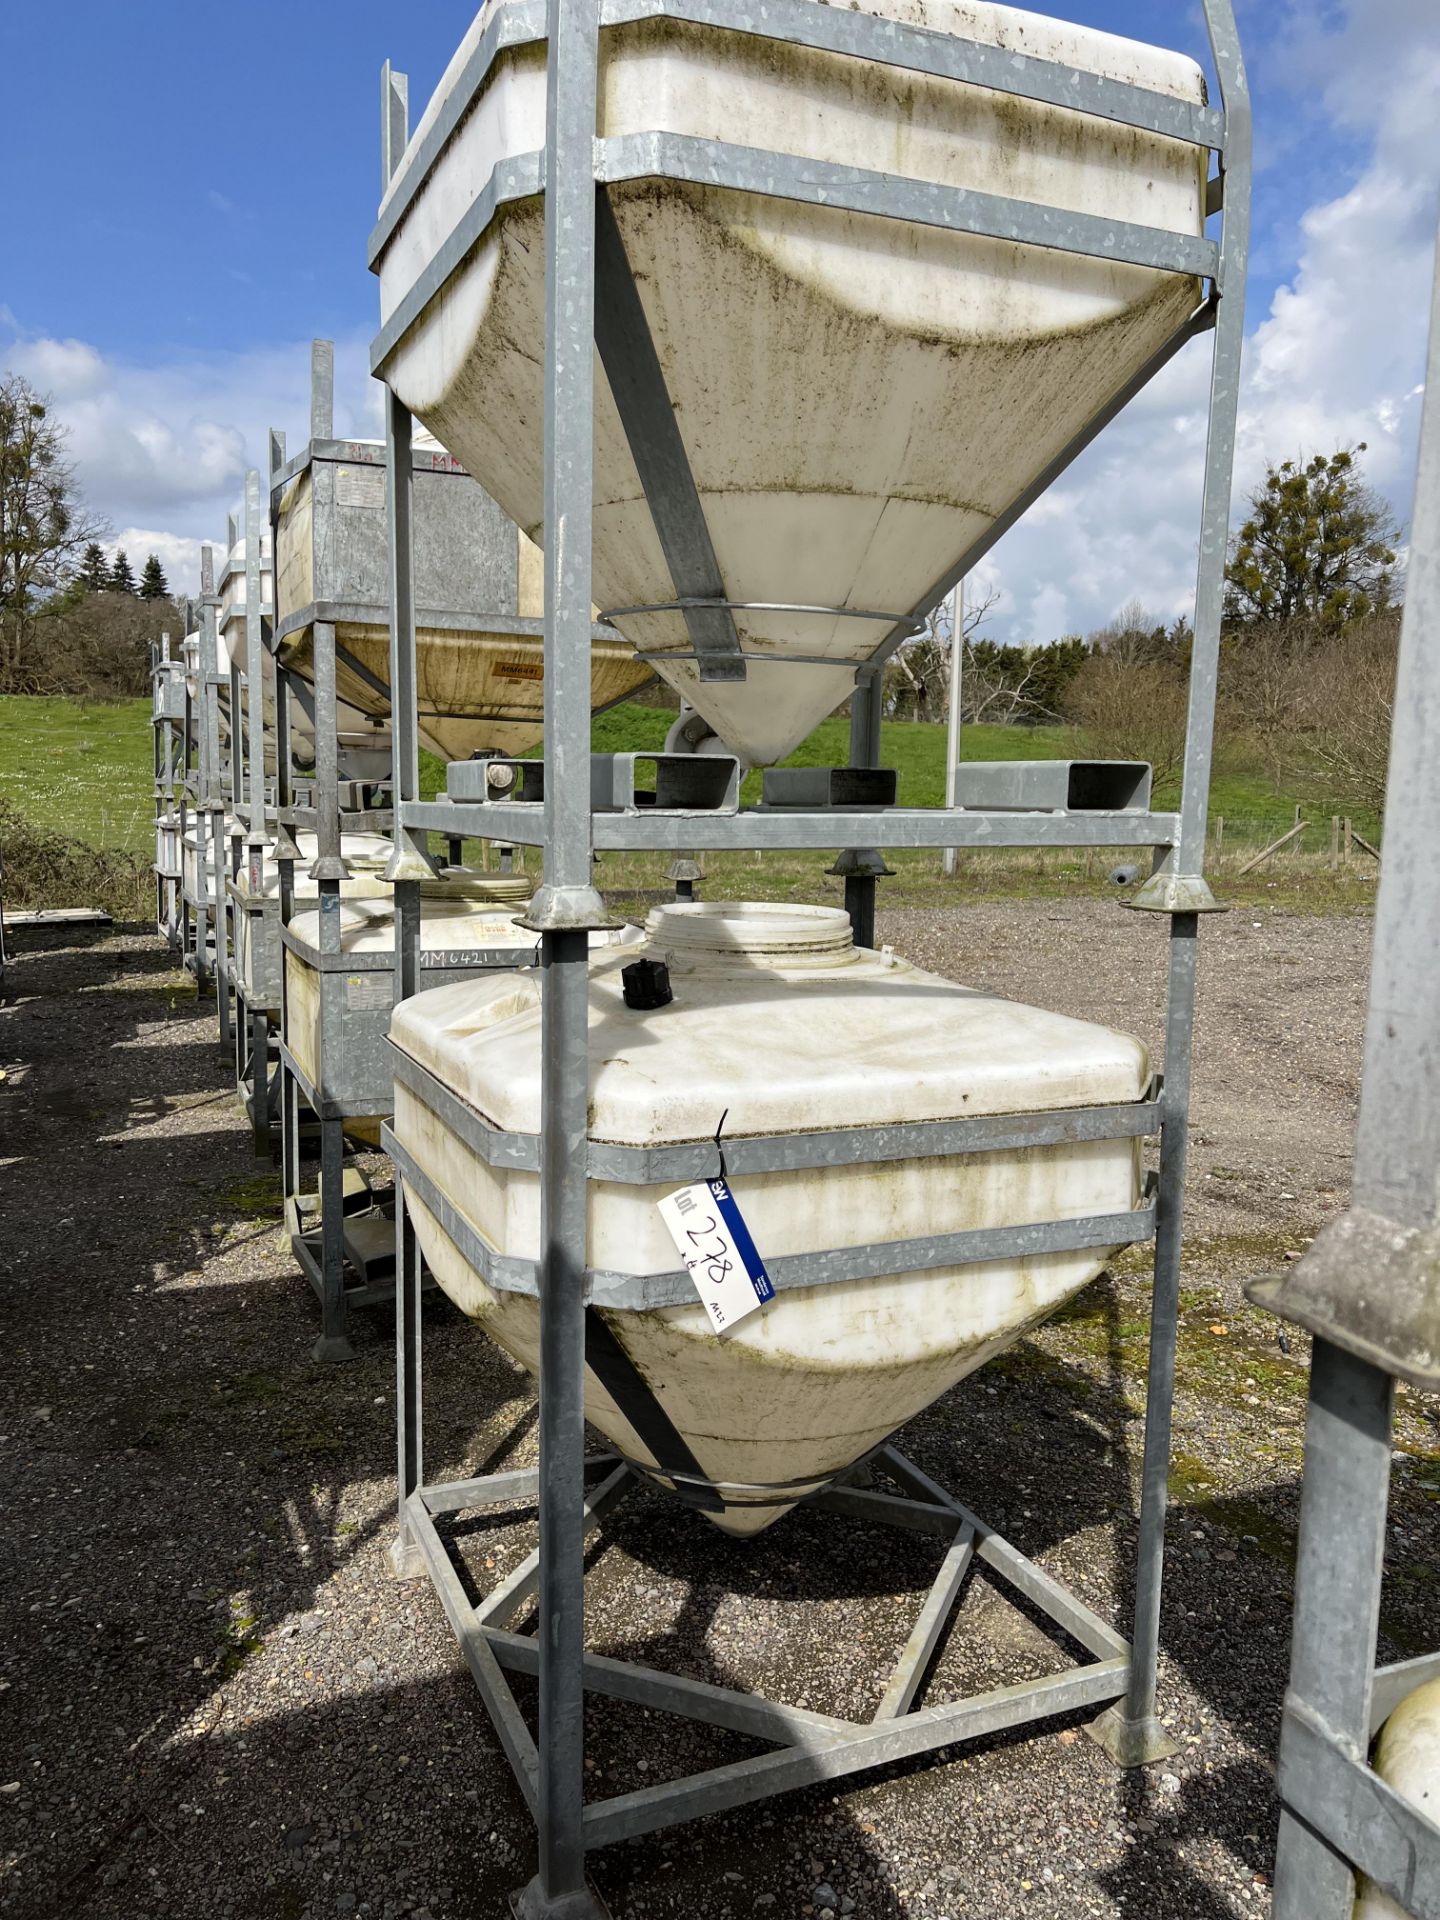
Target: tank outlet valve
{"x":646,"y":984}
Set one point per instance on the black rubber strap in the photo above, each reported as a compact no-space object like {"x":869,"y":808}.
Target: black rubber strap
{"x":632,"y":1394}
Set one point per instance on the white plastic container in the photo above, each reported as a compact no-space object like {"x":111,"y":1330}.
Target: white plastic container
{"x":198,"y":880}
{"x":859,"y":398}
{"x":1407,"y":1758}
{"x":478,"y":687}
{"x":781,"y":1023}
{"x":232,"y":615}
{"x":256,"y":919}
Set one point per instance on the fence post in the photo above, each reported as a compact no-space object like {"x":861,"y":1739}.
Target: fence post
{"x":1349,"y":840}
{"x":1334,"y":841}
{"x":1219,"y":835}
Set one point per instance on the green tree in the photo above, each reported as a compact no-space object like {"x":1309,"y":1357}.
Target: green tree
{"x":122,"y":579}
{"x":153,"y":584}
{"x":1319,"y":544}
{"x":43,"y":525}
{"x":95,"y":569}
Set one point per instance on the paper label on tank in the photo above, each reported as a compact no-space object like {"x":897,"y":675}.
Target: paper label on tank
{"x":360,"y":487}
{"x":368,"y":992}
{"x":718,"y":1253}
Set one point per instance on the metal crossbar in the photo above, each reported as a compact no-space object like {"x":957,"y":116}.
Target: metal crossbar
{"x":811,"y":1746}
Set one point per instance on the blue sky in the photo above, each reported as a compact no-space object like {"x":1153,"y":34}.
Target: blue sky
{"x":200,"y":182}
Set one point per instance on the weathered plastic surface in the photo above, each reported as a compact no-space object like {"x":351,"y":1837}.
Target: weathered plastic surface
{"x":368,"y":926}
{"x":781,"y":1024}
{"x":1407,"y":1758}
{"x":859,"y":398}
{"x":256,"y":923}
{"x":478,"y":689}
{"x":199,"y":884}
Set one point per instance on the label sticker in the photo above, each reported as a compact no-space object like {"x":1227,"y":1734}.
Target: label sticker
{"x":718,"y":1253}
{"x":360,"y":487}
{"x":368,"y":992}
{"x":520,"y":670}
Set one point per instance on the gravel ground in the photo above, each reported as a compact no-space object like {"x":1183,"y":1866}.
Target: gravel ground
{"x":215,"y":1701}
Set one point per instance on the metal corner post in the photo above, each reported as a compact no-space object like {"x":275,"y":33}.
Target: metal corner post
{"x":1368,"y":1289}
{"x":1131,"y":1731}
{"x":255,"y":674}
{"x":564,"y":911}
{"x":861,"y":867}
{"x":322,"y":389}
{"x":209,"y":859}
{"x":408,"y":867}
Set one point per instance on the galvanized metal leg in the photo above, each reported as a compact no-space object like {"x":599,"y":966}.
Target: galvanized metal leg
{"x":564,"y":910}
{"x":1337,"y":1602}
{"x":1130,"y":1731}
{"x":260,"y":1081}
{"x":406,"y":1560}
{"x":290,"y":1149}
{"x":334,"y":1342}
{"x":861,"y":867}
{"x":222,"y":978}
{"x":204,"y":977}
{"x":222,"y":934}
{"x":559,"y":1891}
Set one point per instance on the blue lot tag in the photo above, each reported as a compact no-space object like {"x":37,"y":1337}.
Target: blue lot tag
{"x":719,"y":1255}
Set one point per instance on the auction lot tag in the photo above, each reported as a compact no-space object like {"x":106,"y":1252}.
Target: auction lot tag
{"x":717,"y":1251}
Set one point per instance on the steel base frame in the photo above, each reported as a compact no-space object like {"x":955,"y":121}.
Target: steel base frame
{"x":257,"y":1076}
{"x":811,"y":1747}
{"x":319,"y":1250}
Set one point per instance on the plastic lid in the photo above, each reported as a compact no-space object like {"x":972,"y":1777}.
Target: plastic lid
{"x":751,"y":930}
{"x":470,"y":883}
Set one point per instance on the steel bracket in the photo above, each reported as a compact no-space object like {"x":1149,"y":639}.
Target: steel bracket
{"x":1370,"y":1286}
{"x":568,"y":910}
{"x":1167,"y":892}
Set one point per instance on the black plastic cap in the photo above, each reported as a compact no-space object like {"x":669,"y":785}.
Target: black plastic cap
{"x":646,"y":984}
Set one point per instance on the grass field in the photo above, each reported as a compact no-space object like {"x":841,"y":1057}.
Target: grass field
{"x":86,"y":771}
{"x":80,"y":770}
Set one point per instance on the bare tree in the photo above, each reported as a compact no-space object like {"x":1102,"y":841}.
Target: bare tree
{"x":918,"y":672}
{"x":1263,"y":673}
{"x":1131,"y":711}
{"x":1340,"y":748}
{"x":96,"y":646}
{"x":1000,"y":694}
{"x":43,"y":526}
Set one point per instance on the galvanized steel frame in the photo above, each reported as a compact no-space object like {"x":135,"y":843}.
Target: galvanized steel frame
{"x":1369,"y":1290}
{"x":352,"y":1051}
{"x":169,"y":739}
{"x":812,"y":1747}
{"x":574,"y":164}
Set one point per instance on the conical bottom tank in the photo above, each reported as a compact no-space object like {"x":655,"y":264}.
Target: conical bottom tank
{"x":476,"y":692}
{"x":859,"y":398}
{"x":781,"y":1025}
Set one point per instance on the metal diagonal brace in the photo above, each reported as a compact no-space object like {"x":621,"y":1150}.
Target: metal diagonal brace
{"x":637,"y":386}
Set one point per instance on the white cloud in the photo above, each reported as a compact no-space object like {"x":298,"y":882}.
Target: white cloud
{"x":1338,"y":359}
{"x":179,"y":556}
{"x":161,"y":451}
